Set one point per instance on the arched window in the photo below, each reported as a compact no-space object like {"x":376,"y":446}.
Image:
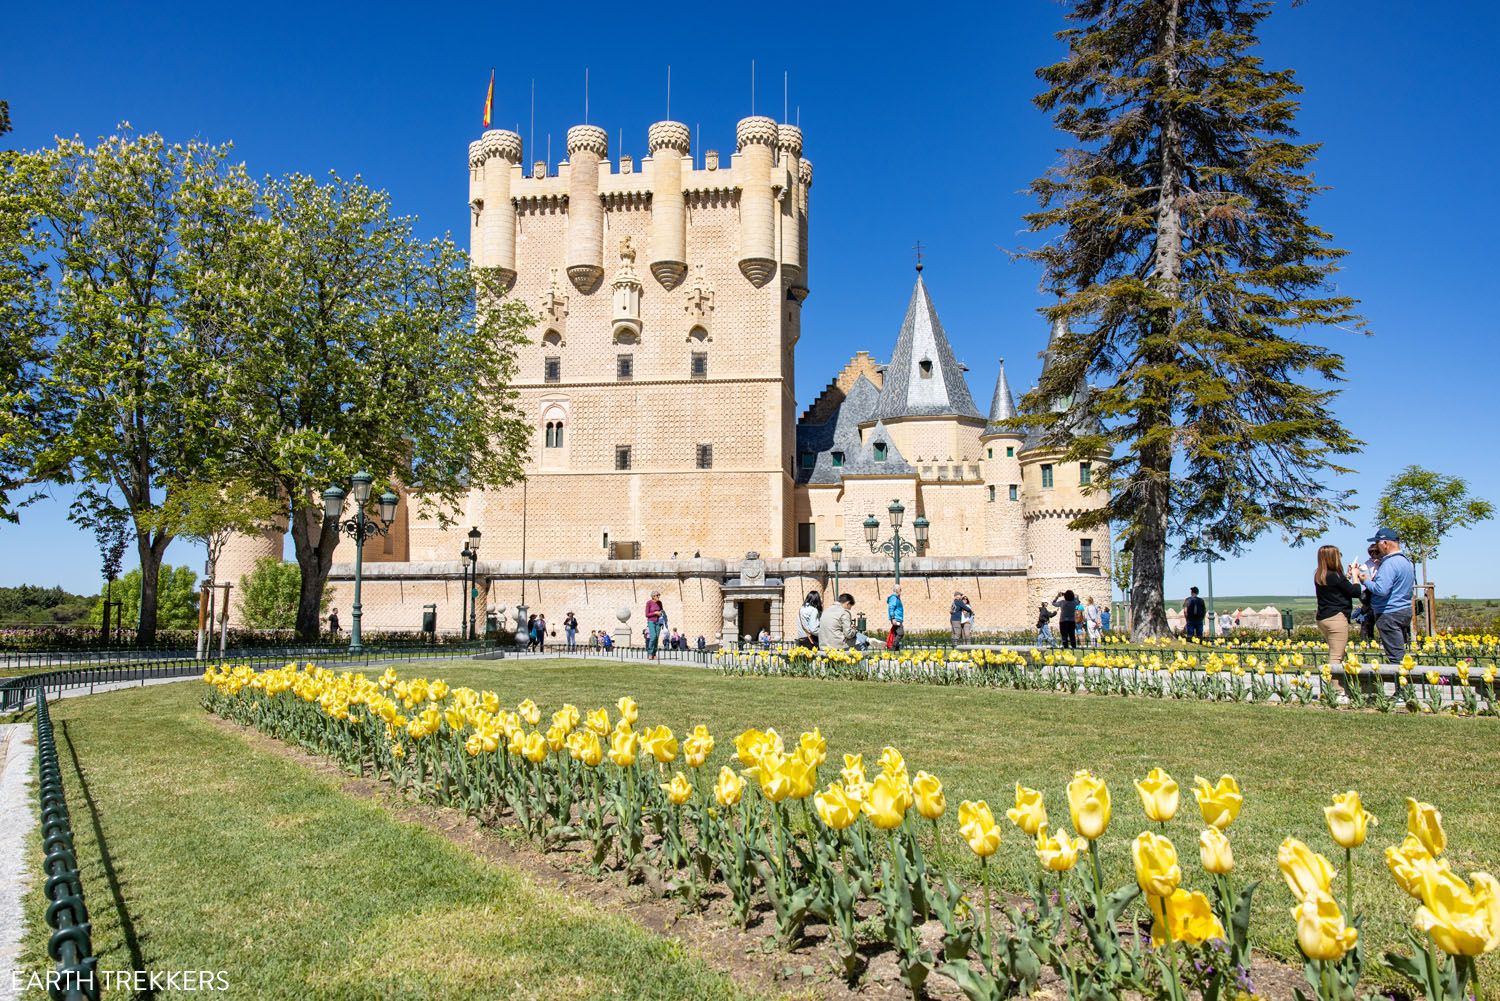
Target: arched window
{"x":552,"y":339}
{"x":554,"y":434}
{"x":698,"y":334}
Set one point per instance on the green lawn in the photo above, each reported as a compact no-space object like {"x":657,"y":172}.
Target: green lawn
{"x":202,"y":853}
{"x":1289,"y":761}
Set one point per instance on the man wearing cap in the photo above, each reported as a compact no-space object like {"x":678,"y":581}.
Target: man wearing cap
{"x":1390,"y":589}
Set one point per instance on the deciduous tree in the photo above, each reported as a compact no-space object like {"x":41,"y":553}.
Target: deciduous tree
{"x":1424,"y":507}
{"x":1183,"y":258}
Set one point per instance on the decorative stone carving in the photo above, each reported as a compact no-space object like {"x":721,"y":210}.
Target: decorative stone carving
{"x":626,"y":319}
{"x":789,"y":139}
{"x":501,"y":143}
{"x":755,"y":129}
{"x":588,"y":139}
{"x":700,"y":302}
{"x":668,"y":135}
{"x":539,"y":169}
{"x":753,"y":571}
{"x":711,"y":159}
{"x":554,"y":303}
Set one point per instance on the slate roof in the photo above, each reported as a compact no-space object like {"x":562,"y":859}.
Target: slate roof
{"x":1075,"y":422}
{"x":838,"y":435}
{"x":923,"y":378}
{"x":1002,"y":407}
{"x":864,"y":462}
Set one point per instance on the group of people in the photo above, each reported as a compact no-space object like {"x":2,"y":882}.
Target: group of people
{"x":1382,"y":585}
{"x":1070,"y":613}
{"x":828,"y":630}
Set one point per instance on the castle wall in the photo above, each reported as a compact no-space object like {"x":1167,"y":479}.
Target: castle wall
{"x":1052,"y":547}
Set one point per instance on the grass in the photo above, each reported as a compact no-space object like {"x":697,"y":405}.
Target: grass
{"x":200,"y":852}
{"x":1289,"y":761}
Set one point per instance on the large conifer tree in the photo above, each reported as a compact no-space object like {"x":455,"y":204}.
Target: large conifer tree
{"x":1181,"y":252}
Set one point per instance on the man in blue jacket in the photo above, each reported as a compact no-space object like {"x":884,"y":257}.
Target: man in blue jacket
{"x":1390,"y":589}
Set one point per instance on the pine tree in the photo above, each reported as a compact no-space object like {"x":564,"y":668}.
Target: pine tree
{"x":1184,"y":262}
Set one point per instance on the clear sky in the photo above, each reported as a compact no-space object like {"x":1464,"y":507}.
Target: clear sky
{"x":919,"y":122}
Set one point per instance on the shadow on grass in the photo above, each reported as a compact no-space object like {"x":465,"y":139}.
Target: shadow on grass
{"x":127,"y":925}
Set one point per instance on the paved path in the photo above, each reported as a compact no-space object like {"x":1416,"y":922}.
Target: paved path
{"x":17,"y":832}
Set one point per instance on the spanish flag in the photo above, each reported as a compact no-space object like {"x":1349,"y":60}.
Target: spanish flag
{"x":489,"y":99}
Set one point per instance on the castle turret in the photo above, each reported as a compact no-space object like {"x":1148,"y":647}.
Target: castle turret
{"x":789,"y":170}
{"x":492,"y":236}
{"x":669,"y":144}
{"x":1005,"y":519}
{"x":756,"y":139}
{"x":587,"y":145}
{"x":804,"y":196}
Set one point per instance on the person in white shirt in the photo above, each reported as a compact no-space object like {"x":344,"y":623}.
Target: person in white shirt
{"x":808,"y":620}
{"x":1091,"y":620}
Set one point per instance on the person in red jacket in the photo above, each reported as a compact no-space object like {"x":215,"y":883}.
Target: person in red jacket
{"x":655,"y":615}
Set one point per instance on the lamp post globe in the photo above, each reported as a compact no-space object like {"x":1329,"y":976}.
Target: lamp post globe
{"x":388,"y":503}
{"x":333,"y":503}
{"x":872,"y":531}
{"x":921,"y":525}
{"x":838,"y":554}
{"x":362,"y":484}
{"x":898,"y":513}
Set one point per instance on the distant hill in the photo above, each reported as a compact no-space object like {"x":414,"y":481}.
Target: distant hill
{"x":1454,"y":614}
{"x":31,"y":605}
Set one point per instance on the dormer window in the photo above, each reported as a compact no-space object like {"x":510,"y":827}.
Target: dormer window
{"x":838,"y":459}
{"x":924,"y":368}
{"x":880,"y":451}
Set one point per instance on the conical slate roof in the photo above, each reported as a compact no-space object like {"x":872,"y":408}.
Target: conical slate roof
{"x":1064,"y":403}
{"x":839,"y":435}
{"x":1002,"y":407}
{"x":865,"y":463}
{"x":923,"y":378}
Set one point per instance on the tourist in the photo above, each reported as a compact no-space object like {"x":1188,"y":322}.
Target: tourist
{"x":1043,"y":630}
{"x":570,"y":628}
{"x":541,"y":633}
{"x":1336,"y":595}
{"x":702,"y":641}
{"x":1366,"y":610}
{"x":530,"y":633}
{"x":960,"y":618}
{"x":607,"y":640}
{"x":764,"y":637}
{"x":333,"y":620}
{"x":836,"y":630}
{"x":1091,"y":620}
{"x":808,"y":618}
{"x":1390,"y":594}
{"x":1193,"y":611}
{"x":594,"y":639}
{"x":1226,"y":623}
{"x":1067,"y":623}
{"x":896,"y":612}
{"x":1104,"y":618}
{"x":656,"y":617}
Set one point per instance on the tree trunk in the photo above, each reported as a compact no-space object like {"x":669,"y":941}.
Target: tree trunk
{"x":313,"y":541}
{"x":1154,"y":419}
{"x":150,"y":551}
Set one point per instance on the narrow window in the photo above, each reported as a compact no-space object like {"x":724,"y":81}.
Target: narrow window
{"x":1015,"y":492}
{"x":807,"y":537}
{"x":552,"y":371}
{"x":705,"y":457}
{"x":809,"y":459}
{"x":989,"y":453}
{"x":622,"y":457}
{"x":880,"y":451}
{"x":1086,"y":552}
{"x":1046,"y":476}
{"x":624,"y":367}
{"x":925,"y":368}
{"x":992,"y":495}
{"x":699,"y":369}
{"x":554,"y":434}
{"x":838,"y":459}
{"x":1085,"y":474}
{"x":1010,"y":451}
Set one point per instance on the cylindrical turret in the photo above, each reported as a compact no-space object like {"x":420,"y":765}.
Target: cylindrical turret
{"x":587,"y":145}
{"x":804,"y":196}
{"x":668,"y":142}
{"x":789,"y":142}
{"x":756,"y":141}
{"x":493,"y":238}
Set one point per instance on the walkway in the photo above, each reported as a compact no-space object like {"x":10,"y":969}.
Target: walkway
{"x":17,"y":834}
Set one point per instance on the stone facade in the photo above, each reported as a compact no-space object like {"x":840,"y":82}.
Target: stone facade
{"x":667,"y":444}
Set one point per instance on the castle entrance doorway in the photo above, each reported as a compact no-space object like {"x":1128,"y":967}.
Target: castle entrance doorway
{"x":755,"y":615}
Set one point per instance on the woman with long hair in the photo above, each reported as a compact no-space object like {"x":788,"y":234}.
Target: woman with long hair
{"x":809,"y":619}
{"x":1336,"y":595}
{"x":1067,"y":622}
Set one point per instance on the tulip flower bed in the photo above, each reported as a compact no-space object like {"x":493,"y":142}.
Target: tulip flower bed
{"x":1212,"y":675}
{"x":768,"y":834}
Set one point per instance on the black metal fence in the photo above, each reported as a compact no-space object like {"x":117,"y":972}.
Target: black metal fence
{"x":67,"y":915}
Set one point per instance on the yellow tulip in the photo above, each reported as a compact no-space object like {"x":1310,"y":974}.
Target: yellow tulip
{"x":752,"y":745}
{"x":729,"y":788}
{"x":1348,"y":822}
{"x":529,"y":712}
{"x":679,"y":790}
{"x":1159,"y":796}
{"x":1407,"y":862}
{"x":928,"y":793}
{"x":1321,"y":931}
{"x":835,"y":809}
{"x":1220,"y":803}
{"x":598,"y":721}
{"x":1425,"y":822}
{"x":885,"y":803}
{"x":813,"y":747}
{"x":1030,"y":812}
{"x":1059,"y":853}
{"x":398,"y":751}
{"x":977,"y":826}
{"x":1187,"y":914}
{"x":623,"y":745}
{"x":1461,"y":921}
{"x":892,"y":763}
{"x":801,"y":774}
{"x":566,"y":717}
{"x":1156,"y":868}
{"x":1214,"y":851}
{"x":473,"y":745}
{"x":698,"y":746}
{"x":590,"y":750}
{"x":854,"y":770}
{"x":1307,"y":873}
{"x":534,"y":748}
{"x":1088,"y":804}
{"x":628,"y":710}
{"x":658,"y":742}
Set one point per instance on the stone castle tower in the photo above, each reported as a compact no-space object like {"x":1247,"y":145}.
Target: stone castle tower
{"x":666,"y":448}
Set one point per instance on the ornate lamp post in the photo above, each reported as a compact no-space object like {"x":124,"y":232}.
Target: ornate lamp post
{"x":470,"y":556}
{"x":359,"y":528}
{"x":895,"y":547}
{"x":838,"y":554}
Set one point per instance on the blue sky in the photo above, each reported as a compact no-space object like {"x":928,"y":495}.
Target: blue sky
{"x":919,"y":122}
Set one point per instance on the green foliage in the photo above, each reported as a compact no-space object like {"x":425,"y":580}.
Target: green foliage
{"x":208,"y":513}
{"x":1184,"y":263}
{"x":1424,"y":507}
{"x":29,"y":604}
{"x":25,"y":421}
{"x":177,"y":598}
{"x":268,"y":597}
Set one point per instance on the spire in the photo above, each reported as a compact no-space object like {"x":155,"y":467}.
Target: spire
{"x":1002,"y":407}
{"x":923,"y":378}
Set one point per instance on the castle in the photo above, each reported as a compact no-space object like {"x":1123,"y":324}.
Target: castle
{"x":668,"y":453}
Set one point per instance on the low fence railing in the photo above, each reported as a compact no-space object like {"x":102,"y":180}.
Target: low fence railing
{"x":70,"y":946}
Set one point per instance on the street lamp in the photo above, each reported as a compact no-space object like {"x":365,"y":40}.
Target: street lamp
{"x":470,"y":557}
{"x":895,"y":547}
{"x":359,"y":528}
{"x":838,"y":554}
